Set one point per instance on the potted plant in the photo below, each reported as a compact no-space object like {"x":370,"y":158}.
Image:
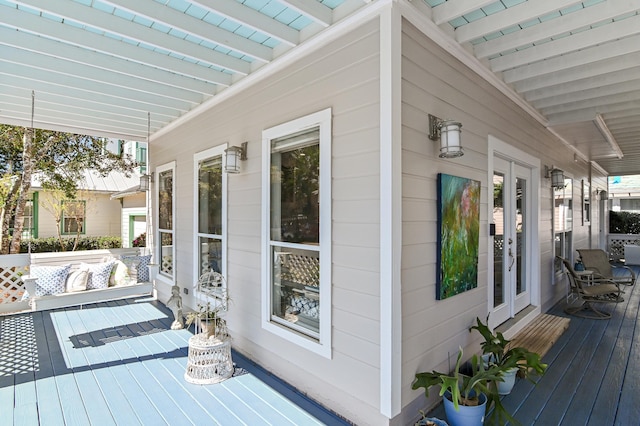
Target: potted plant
{"x":208,"y":321}
{"x":465,"y":395}
{"x":212,"y":293}
{"x":512,"y":360}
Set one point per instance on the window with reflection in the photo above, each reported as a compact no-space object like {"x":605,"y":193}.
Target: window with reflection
{"x":297,"y":238}
{"x":165,"y":219}
{"x":209,"y":208}
{"x":563,"y":222}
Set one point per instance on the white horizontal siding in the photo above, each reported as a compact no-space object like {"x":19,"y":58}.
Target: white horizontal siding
{"x":345,"y":77}
{"x":436,"y":83}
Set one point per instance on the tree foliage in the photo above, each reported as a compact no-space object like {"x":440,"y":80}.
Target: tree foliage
{"x":624,"y":222}
{"x":58,"y":158}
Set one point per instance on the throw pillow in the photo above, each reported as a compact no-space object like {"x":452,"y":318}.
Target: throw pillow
{"x":99,"y":274}
{"x":119,"y":274}
{"x":143,"y":266}
{"x":51,"y":279}
{"x":77,"y":280}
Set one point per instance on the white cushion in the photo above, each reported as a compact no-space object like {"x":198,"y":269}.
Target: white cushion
{"x":119,"y":274}
{"x":77,"y":280}
{"x":99,"y":274}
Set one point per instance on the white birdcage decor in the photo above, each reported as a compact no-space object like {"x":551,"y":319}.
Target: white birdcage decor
{"x":209,"y":360}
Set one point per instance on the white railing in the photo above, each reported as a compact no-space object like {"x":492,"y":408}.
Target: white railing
{"x":12,"y":268}
{"x":616,"y":243}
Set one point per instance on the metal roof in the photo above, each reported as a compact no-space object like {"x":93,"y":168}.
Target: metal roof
{"x":92,"y":181}
{"x":103,"y":67}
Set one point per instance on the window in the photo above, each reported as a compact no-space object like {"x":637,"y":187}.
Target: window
{"x":30,"y":226}
{"x":297,"y":214}
{"x":73,"y":217}
{"x":586,"y":203}
{"x":165,"y":203}
{"x":141,"y":157}
{"x":563,"y":222}
{"x":210,"y":208}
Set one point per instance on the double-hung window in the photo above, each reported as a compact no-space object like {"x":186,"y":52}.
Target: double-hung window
{"x":297,"y":235}
{"x":165,"y":202}
{"x":73,"y":217}
{"x":210,"y":210}
{"x":563,"y":222}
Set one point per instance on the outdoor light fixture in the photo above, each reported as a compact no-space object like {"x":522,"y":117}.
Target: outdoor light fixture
{"x":604,"y":196}
{"x":233,"y":156}
{"x":448,"y":132}
{"x":556,"y":176}
{"x":145,"y":182}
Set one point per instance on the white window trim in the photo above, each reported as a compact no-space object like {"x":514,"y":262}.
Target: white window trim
{"x":197,"y":158}
{"x":321,"y":119}
{"x":162,"y":277}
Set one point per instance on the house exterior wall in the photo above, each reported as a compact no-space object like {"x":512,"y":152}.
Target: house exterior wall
{"x":102,"y":215}
{"x":433,"y":82}
{"x":343,"y":76}
{"x":346,"y":77}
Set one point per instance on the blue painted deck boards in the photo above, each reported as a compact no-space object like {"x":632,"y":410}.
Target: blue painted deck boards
{"x":118,"y":363}
{"x":592,"y":377}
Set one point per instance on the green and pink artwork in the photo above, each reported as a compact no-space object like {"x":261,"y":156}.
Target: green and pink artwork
{"x":458,"y":235}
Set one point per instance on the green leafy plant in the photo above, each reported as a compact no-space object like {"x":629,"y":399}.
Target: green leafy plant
{"x":208,"y":320}
{"x":464,"y":388}
{"x":506,"y":356}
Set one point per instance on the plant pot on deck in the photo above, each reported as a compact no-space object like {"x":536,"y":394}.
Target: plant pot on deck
{"x":465,"y":415}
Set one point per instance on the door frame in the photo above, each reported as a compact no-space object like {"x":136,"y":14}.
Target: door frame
{"x":497,"y":147}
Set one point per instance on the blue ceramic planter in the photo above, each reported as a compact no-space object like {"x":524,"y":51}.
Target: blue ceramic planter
{"x":464,"y":416}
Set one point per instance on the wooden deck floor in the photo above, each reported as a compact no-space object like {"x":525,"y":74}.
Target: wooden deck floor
{"x":593,"y":376}
{"x":119,"y":363}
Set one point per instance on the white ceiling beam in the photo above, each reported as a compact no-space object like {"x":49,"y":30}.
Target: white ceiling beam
{"x":595,"y":91}
{"x":91,"y":88}
{"x":602,"y":126}
{"x":312,"y":9}
{"x":619,"y":98}
{"x":617,"y":50}
{"x":451,"y":10}
{"x":71,"y":95}
{"x":114,"y":25}
{"x":73,"y":128}
{"x":587,"y":114}
{"x":159,"y":115}
{"x":102,"y":77}
{"x":580,"y":84}
{"x":47,"y":108}
{"x":92,"y":41}
{"x":45,"y":113}
{"x":173,"y":18}
{"x":518,"y":14}
{"x":583,"y":18}
{"x":582,"y":40}
{"x":249,"y":17}
{"x":43,"y":46}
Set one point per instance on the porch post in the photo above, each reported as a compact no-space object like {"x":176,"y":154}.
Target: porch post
{"x":390,"y":212}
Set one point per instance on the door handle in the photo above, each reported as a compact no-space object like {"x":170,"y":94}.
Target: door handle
{"x":512,"y":259}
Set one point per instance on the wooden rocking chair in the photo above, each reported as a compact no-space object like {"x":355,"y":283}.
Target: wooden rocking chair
{"x":589,"y":292}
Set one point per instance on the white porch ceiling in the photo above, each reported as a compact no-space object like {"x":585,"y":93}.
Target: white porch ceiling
{"x":102,"y":67}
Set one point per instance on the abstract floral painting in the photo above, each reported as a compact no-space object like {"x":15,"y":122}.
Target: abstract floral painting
{"x":458,"y":235}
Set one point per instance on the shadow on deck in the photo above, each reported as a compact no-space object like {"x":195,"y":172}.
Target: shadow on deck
{"x":120,"y":363}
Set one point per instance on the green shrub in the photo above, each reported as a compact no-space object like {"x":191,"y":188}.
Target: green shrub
{"x":52,"y":244}
{"x":624,"y":223}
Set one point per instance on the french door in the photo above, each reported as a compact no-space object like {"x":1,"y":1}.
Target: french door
{"x":512,"y":230}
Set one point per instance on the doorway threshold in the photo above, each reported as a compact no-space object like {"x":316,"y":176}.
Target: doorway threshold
{"x":510,"y":327}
